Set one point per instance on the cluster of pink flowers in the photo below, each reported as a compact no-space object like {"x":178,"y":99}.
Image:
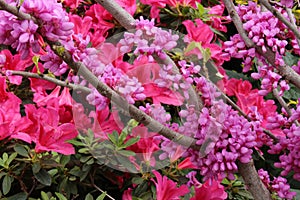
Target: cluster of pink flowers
{"x":289,"y":146}
{"x":24,"y":35}
{"x":148,"y":39}
{"x":225,"y":138}
{"x":278,"y":185}
{"x":265,"y":31}
{"x":258,"y":109}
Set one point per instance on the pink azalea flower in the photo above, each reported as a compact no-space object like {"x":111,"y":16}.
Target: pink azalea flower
{"x":146,"y":146}
{"x":73,"y":4}
{"x":11,"y":122}
{"x":47,"y":132}
{"x":105,"y":122}
{"x":167,"y":189}
{"x":13,"y":62}
{"x":199,"y":33}
{"x":156,"y":5}
{"x":127,"y":194}
{"x":186,"y":164}
{"x":39,"y":85}
{"x":248,"y":98}
{"x":81,"y":25}
{"x":146,"y":73}
{"x":216,"y":22}
{"x":210,"y":190}
{"x":62,"y":102}
{"x":202,"y":33}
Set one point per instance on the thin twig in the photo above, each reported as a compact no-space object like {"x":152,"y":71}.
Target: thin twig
{"x":291,"y":16}
{"x":99,"y":189}
{"x":50,"y":79}
{"x":283,"y":104}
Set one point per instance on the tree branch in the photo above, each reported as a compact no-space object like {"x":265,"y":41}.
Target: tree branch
{"x":127,"y":21}
{"x":121,"y":15}
{"x":285,"y":71}
{"x":106,"y":91}
{"x":48,"y":78}
{"x":283,"y":104}
{"x":278,"y":15}
{"x":253,"y":182}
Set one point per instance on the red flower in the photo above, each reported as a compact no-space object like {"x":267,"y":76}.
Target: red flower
{"x":202,"y":33}
{"x":167,"y":189}
{"x":14,"y":62}
{"x":46,"y":131}
{"x":210,"y":190}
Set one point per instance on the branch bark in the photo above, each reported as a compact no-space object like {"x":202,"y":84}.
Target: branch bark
{"x":106,"y":91}
{"x":277,"y":14}
{"x":52,"y":80}
{"x":285,"y":71}
{"x":253,"y":182}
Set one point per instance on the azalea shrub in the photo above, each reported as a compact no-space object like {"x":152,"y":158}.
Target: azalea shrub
{"x":149,"y":99}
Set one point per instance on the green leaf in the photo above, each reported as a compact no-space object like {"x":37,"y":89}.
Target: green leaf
{"x":137,"y":180}
{"x":89,"y":197}
{"x":36,"y":167}
{"x":4,"y":157}
{"x":192,"y":46}
{"x":60,"y":196}
{"x":44,"y":195}
{"x":201,"y":9}
{"x":6,"y":184}
{"x":43,"y":177}
{"x":126,"y":153}
{"x":102,"y":196}
{"x":130,"y":142}
{"x":114,"y":137}
{"x":84,"y":150}
{"x":122,"y":138}
{"x":237,"y":183}
{"x":35,"y":60}
{"x":11,"y":158}
{"x":292,"y":93}
{"x":126,"y":164}
{"x":65,"y":159}
{"x":246,"y":194}
{"x":206,"y":54}
{"x":21,"y":150}
{"x":290,"y":59}
{"x":19,"y":196}
{"x":76,"y":142}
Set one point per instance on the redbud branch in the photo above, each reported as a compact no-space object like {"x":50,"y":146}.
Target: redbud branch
{"x":128,"y":22}
{"x":277,"y":14}
{"x":236,"y":107}
{"x":121,"y":15}
{"x":74,"y":87}
{"x":253,"y":182}
{"x":134,"y":112}
{"x":284,"y":104}
{"x":106,"y":91}
{"x":290,"y":14}
{"x":248,"y":171}
{"x":285,"y":71}
{"x":14,"y":10}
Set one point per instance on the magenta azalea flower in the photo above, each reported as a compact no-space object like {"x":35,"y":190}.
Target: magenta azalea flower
{"x":167,"y":189}
{"x":210,"y":190}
